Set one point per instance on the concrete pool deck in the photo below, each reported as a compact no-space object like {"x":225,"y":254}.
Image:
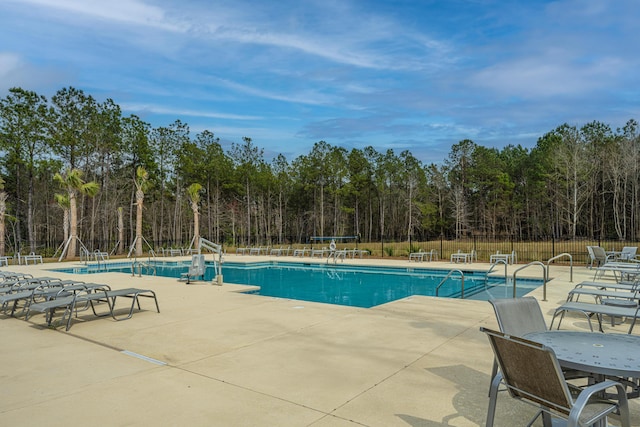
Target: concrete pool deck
{"x":231,"y":359}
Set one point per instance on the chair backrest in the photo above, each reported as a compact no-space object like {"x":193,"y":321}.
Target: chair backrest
{"x":531,"y":371}
{"x":518,"y":316}
{"x":628,"y":252}
{"x":197,"y":265}
{"x":599,"y":254}
{"x":592,"y":256}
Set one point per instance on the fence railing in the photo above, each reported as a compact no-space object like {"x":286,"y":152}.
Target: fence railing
{"x":484,"y":246}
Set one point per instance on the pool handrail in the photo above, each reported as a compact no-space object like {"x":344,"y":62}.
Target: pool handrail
{"x":455,"y":270}
{"x":544,"y":278}
{"x":84,"y":254}
{"x":496,"y":262}
{"x":562,"y":255}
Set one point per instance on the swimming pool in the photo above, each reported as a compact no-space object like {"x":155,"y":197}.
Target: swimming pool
{"x":337,"y":284}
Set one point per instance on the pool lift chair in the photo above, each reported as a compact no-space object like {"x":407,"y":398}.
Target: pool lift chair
{"x":196,"y":269}
{"x":217,"y":263}
{"x":532,"y":374}
{"x":336,"y":253}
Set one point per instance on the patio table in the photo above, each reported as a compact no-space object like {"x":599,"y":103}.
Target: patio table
{"x":604,"y":355}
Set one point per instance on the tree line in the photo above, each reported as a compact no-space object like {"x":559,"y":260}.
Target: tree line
{"x":577,"y":182}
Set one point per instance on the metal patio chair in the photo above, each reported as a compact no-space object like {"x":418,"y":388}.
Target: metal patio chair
{"x":517,"y":316}
{"x":532,"y":374}
{"x":522,"y":316}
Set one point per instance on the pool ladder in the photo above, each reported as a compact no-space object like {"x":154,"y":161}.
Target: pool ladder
{"x":140,"y":265}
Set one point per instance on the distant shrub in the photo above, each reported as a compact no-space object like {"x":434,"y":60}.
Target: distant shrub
{"x":413,"y":248}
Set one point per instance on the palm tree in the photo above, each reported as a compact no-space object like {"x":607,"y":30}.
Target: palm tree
{"x":72,"y":182}
{"x":141,"y":182}
{"x":3,"y":209}
{"x":63,"y":201}
{"x":193,"y":191}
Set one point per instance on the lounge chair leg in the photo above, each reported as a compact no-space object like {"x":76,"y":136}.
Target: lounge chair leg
{"x":599,"y":316}
{"x":554,"y":319}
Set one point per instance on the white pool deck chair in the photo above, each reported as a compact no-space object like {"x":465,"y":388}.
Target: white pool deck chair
{"x":301,"y":252}
{"x":422,"y":255}
{"x":598,"y":256}
{"x":628,"y":253}
{"x":596,"y":310}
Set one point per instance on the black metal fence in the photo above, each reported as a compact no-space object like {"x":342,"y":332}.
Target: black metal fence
{"x":484,"y":246}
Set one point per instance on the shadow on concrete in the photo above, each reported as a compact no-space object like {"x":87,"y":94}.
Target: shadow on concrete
{"x":472,"y":400}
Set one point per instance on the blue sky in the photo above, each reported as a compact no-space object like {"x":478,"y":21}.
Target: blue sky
{"x":406,"y":75}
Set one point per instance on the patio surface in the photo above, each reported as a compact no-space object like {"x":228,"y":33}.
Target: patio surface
{"x":230,"y":359}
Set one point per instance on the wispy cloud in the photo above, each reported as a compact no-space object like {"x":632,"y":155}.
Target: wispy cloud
{"x":178,"y":112}
{"x":289,"y":73}
{"x":9,"y":62}
{"x":546,"y":77}
{"x":132,"y":12}
{"x":335,"y":49}
{"x":309,"y":96}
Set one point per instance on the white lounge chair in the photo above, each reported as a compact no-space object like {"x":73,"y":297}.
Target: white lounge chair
{"x":598,"y":256}
{"x":417,"y":256}
{"x":597,"y":311}
{"x":300,"y":252}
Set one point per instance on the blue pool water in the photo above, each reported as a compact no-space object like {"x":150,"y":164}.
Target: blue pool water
{"x":338,"y":284}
